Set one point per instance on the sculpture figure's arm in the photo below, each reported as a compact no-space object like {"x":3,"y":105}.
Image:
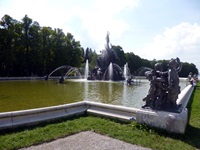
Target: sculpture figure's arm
{"x":178,"y":69}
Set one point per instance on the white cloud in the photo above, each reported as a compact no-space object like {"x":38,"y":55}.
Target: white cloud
{"x":95,"y":17}
{"x":183,"y":38}
{"x":103,"y":16}
{"x":181,"y":41}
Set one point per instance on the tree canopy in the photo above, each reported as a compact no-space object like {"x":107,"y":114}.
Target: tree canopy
{"x":28,"y":49}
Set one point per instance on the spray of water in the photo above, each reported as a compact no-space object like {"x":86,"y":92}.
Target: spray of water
{"x":86,"y":69}
{"x":126,"y":71}
{"x":110,"y":71}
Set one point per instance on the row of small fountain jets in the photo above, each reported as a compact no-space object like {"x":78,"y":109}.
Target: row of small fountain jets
{"x":110,"y":70}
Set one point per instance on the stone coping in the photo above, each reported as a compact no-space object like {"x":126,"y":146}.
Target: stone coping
{"x":32,"y":116}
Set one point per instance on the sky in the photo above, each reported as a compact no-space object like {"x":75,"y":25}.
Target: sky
{"x":151,"y":29}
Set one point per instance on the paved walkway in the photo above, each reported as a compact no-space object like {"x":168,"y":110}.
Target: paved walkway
{"x":86,"y":141}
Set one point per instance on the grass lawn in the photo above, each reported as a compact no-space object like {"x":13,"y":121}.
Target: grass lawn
{"x":130,"y":132}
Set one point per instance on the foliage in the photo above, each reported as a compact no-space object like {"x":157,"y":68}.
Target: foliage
{"x":134,"y":62}
{"x":187,"y":68}
{"x":91,"y":56}
{"x":121,"y":59}
{"x":28,"y":49}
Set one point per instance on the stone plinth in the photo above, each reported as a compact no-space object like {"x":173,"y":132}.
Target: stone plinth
{"x":172,"y":122}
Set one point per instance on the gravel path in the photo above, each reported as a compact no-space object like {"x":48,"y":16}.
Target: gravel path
{"x":86,"y":141}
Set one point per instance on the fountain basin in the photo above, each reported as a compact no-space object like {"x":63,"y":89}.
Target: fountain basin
{"x":172,"y":122}
{"x":31,"y":94}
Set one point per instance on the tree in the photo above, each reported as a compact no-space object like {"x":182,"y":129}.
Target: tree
{"x":26,"y":24}
{"x":187,"y":68}
{"x":46,"y":52}
{"x":74,"y":51}
{"x":134,"y":62}
{"x":7,"y":54}
{"x":121,"y":59}
{"x":35,"y":47}
{"x":60,"y":48}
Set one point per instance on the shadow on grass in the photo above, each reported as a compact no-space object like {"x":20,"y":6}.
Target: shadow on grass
{"x":189,"y":105}
{"x":192,"y":136}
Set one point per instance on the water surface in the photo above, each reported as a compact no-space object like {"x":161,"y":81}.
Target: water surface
{"x":21,"y":95}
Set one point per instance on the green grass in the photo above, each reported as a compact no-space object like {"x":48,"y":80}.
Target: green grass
{"x":130,"y":132}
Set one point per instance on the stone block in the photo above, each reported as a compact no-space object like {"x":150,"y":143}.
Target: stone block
{"x":172,"y":122}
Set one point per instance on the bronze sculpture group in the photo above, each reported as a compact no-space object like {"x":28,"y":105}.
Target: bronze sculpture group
{"x":164,"y":86}
{"x":104,"y":60}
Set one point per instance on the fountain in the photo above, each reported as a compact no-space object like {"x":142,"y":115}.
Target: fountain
{"x":86,"y":69}
{"x":104,"y":61}
{"x":65,"y":72}
{"x":106,"y":67}
{"x":110,"y":71}
{"x":141,"y":71}
{"x":126,"y":73}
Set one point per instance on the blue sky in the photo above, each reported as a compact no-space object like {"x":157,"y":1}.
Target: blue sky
{"x":152,"y":29}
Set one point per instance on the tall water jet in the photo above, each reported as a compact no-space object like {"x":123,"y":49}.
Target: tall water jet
{"x":86,"y":69}
{"x":110,"y":71}
{"x":126,"y":71}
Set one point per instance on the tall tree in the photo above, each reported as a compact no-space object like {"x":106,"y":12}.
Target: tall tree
{"x":74,"y":49}
{"x":59,"y":47}
{"x":35,"y":47}
{"x":26,"y":24}
{"x":46,"y":52}
{"x":7,"y":56}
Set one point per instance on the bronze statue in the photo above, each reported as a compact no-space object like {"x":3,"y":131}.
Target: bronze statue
{"x":173,"y":81}
{"x":158,"y":85}
{"x":164,"y":86}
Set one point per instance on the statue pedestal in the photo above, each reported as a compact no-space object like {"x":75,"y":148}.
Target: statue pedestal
{"x":172,"y":122}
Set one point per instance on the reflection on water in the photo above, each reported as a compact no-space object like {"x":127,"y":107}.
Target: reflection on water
{"x":116,"y":93}
{"x":19,"y":95}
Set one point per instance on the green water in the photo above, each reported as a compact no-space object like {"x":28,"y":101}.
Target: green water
{"x":18,"y":95}
{"x":21,"y":95}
